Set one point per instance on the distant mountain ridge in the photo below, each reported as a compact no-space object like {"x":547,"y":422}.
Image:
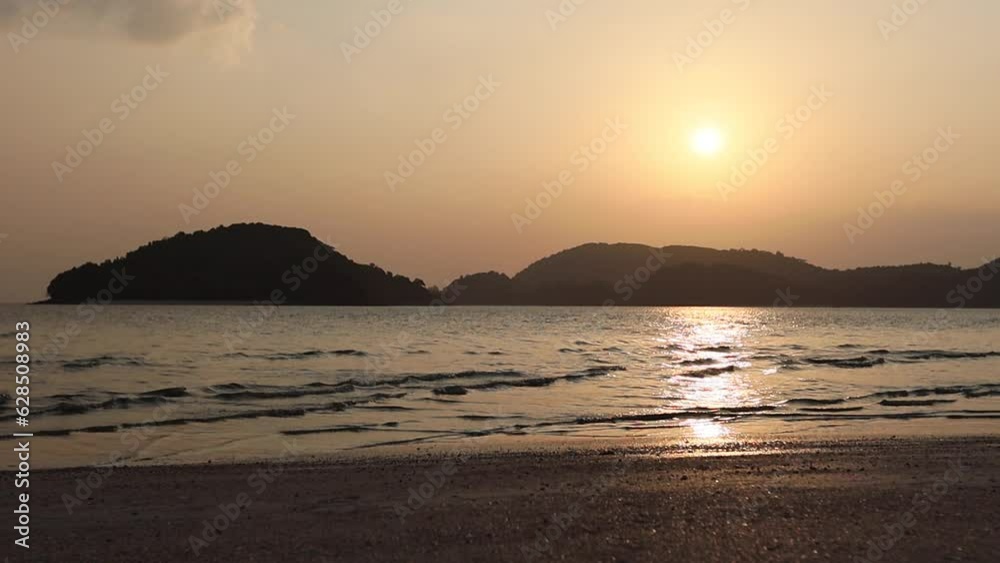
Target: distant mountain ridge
{"x":257,"y":262}
{"x":641,"y":275}
{"x":239,"y":263}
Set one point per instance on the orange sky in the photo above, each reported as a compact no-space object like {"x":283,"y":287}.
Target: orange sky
{"x":826,"y":103}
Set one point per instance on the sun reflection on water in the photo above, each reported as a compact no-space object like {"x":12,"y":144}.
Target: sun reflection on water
{"x":707,"y":429}
{"x":712,"y":368}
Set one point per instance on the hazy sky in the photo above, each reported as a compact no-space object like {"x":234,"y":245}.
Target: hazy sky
{"x":533,"y":96}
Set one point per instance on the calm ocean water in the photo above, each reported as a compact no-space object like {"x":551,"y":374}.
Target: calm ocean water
{"x":171,"y":384}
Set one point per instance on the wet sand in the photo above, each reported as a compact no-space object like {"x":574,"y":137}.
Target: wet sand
{"x":920,"y":499}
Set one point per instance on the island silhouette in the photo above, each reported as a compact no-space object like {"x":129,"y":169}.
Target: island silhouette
{"x":255,"y":262}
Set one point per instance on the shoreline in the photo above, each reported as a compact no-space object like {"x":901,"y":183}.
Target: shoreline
{"x":431,"y":305}
{"x":752,"y":500}
{"x":143,"y":447}
{"x":971,"y":307}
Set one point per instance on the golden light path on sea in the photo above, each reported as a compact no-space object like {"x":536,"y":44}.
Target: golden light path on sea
{"x":722,"y":343}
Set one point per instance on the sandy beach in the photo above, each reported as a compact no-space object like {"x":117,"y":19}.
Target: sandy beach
{"x":917,"y":499}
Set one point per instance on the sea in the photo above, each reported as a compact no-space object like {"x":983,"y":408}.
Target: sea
{"x":174,"y":384}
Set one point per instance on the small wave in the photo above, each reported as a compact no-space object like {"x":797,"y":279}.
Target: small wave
{"x":897,"y":393}
{"x":228,"y":387}
{"x":945,"y":355}
{"x":69,"y":408}
{"x":970,"y":391}
{"x":271,"y":413}
{"x":285,"y":392}
{"x":238,"y":391}
{"x":244,"y":415}
{"x":356,"y":428}
{"x":169,"y":392}
{"x":807,"y":401}
{"x":953,"y":390}
{"x":653,"y":417}
{"x":717,"y":349}
{"x":698,"y":362}
{"x":439,"y":376}
{"x":285,"y":356}
{"x":313,"y":353}
{"x":696,"y":412}
{"x":983,"y":393}
{"x":747,"y":409}
{"x":788,"y":363}
{"x":72,"y":404}
{"x":379,"y":397}
{"x":334,"y":430}
{"x":126,"y":402}
{"x":914,"y":403}
{"x":911,"y":356}
{"x":859,"y":362}
{"x":532,"y":382}
{"x":90,"y":363}
{"x":709,"y":372}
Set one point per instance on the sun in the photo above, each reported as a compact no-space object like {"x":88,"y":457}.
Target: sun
{"x":706,"y":141}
